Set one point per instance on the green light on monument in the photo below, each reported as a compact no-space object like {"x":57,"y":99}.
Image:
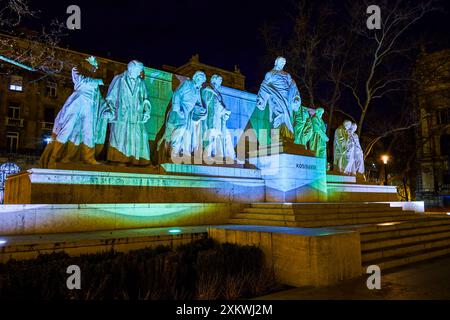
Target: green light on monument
{"x":174,"y":231}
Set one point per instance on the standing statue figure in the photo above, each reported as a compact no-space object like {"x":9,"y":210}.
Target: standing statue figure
{"x":218,"y":142}
{"x":128,"y":101}
{"x":342,"y":155}
{"x":184,"y":119}
{"x":302,"y":126}
{"x":74,"y":131}
{"x":356,"y":166}
{"x":280,"y":92}
{"x":319,"y":139}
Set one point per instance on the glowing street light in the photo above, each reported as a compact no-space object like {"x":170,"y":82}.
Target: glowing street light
{"x":385,"y":159}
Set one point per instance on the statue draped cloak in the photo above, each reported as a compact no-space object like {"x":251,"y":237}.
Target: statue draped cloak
{"x":184,"y":123}
{"x":318,"y":142}
{"x":79,"y":119}
{"x":342,"y":150}
{"x":280,"y":92}
{"x":218,"y":140}
{"x":128,"y":102}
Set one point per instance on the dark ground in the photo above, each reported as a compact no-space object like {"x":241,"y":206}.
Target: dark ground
{"x":426,"y":280}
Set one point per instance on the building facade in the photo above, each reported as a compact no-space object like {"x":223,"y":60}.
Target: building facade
{"x":433,"y":132}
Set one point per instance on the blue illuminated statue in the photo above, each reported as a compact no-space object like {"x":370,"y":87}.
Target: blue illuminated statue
{"x":279,"y":91}
{"x":185,"y":118}
{"x":218,"y":141}
{"x":75,"y":128}
{"x":128,"y":102}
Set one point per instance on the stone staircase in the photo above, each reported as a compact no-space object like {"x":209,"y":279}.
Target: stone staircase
{"x":390,"y":237}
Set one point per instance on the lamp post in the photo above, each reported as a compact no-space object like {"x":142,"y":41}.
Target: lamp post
{"x":385,"y":159}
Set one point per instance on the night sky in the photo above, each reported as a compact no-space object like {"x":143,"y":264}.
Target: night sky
{"x":224,"y":33}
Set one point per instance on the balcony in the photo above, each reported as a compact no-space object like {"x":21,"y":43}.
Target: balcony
{"x":47,"y":126}
{"x":14,"y":122}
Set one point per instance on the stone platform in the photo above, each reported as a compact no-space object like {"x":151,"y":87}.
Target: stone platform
{"x":300,"y":256}
{"x":189,"y":184}
{"x":30,"y":246}
{"x":63,"y":218}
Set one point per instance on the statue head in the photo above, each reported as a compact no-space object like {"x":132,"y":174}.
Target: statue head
{"x":347,"y":124}
{"x":353,"y":128}
{"x":216,"y":81}
{"x":319,"y":112}
{"x":280,"y":62}
{"x":135,"y":69}
{"x":199,"y":79}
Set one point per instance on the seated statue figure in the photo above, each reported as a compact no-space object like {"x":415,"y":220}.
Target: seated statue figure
{"x":74,"y":132}
{"x":128,"y":101}
{"x":319,"y":139}
{"x":279,"y":91}
{"x":218,"y":142}
{"x":184,"y":118}
{"x":342,"y":150}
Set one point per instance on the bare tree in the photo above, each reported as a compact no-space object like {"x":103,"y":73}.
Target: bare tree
{"x":28,"y":49}
{"x":374,"y":76}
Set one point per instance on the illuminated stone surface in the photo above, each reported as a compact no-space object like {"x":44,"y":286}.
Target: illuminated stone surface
{"x":57,"y":218}
{"x":292,"y":175}
{"x":300,"y":256}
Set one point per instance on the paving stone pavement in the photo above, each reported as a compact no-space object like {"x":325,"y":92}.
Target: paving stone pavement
{"x":421,"y":281}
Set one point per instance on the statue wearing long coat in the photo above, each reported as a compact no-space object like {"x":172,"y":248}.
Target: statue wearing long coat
{"x":128,"y":101}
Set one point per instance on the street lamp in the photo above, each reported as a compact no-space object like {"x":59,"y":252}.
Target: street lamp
{"x":385,"y":159}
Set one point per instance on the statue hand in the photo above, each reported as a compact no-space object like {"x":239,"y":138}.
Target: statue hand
{"x":146,"y":117}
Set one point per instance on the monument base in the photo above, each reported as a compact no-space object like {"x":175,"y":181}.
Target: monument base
{"x":291,"y":173}
{"x":196,"y":184}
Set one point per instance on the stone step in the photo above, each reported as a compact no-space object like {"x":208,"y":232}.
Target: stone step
{"x":321,"y":217}
{"x":409,"y":248}
{"x":385,"y":244}
{"x":424,"y":221}
{"x":356,"y":221}
{"x":320,"y":210}
{"x":415,"y":230}
{"x":402,"y":260}
{"x":319,"y":204}
{"x":278,"y":223}
{"x":318,"y":223}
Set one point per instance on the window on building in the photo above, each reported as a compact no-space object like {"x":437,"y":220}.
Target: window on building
{"x":443,"y":116}
{"x":12,"y":141}
{"x":52,"y":89}
{"x":49,"y":114}
{"x":13,"y":110}
{"x":16,"y":83}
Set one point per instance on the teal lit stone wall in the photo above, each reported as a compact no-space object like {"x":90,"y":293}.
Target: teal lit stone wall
{"x":160,"y":85}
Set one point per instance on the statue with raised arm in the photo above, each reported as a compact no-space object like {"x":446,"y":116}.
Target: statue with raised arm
{"x":279,"y":91}
{"x":319,"y":139}
{"x":342,"y":148}
{"x":218,"y":142}
{"x":128,"y":101}
{"x":74,"y":132}
{"x":184,"y":119}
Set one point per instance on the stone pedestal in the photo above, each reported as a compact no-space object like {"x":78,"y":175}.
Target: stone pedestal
{"x":291,"y":173}
{"x":300,"y":256}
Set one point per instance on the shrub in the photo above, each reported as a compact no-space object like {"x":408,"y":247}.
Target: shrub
{"x":203,"y":269}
